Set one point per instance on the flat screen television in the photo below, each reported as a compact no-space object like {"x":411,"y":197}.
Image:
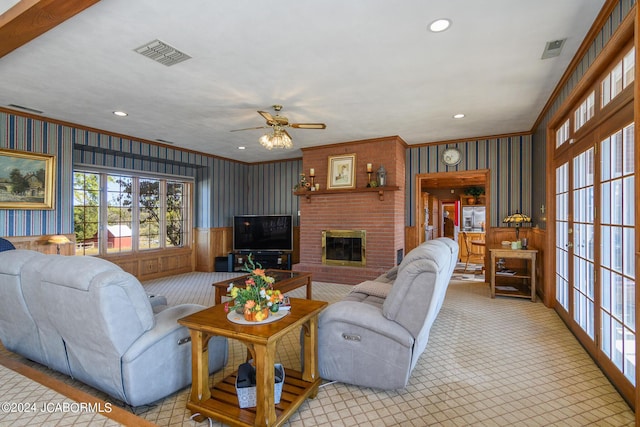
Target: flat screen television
{"x":263,"y":233}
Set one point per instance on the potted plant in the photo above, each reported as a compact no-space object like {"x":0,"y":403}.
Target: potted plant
{"x":473,"y":193}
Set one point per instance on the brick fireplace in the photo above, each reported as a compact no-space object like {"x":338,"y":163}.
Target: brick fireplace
{"x":379,"y":212}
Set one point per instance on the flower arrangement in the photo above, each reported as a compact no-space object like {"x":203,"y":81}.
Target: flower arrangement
{"x":257,"y":298}
{"x":303,"y":184}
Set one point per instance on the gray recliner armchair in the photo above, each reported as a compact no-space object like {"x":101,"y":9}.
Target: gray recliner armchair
{"x":95,"y":322}
{"x":375,"y":335}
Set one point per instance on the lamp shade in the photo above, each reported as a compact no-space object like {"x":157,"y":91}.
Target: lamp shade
{"x":516,"y":218}
{"x":59,"y":239}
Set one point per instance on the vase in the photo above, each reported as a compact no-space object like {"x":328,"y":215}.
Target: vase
{"x":257,"y":315}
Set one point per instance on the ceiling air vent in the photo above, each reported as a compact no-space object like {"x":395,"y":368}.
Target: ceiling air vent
{"x":553,"y":48}
{"x":161,"y":52}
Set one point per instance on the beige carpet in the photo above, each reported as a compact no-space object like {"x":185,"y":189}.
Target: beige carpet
{"x":497,"y":362}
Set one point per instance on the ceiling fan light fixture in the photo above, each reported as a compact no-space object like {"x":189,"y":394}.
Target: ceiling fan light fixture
{"x":277,"y":139}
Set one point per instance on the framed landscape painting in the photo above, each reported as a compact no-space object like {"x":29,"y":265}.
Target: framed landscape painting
{"x":26,"y":180}
{"x":342,"y":173}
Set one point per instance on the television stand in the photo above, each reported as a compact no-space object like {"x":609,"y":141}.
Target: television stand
{"x":268,"y":259}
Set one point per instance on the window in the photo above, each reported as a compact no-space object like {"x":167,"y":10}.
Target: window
{"x":621,"y":76}
{"x":86,"y":212}
{"x":562,"y":134}
{"x":139,"y":212}
{"x":585,"y":111}
{"x":119,"y":213}
{"x":594,"y":213}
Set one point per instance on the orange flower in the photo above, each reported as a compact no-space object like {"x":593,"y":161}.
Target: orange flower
{"x":258,"y":272}
{"x":249,"y":304}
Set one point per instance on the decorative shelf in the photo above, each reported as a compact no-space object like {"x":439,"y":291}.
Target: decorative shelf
{"x":380,"y":190}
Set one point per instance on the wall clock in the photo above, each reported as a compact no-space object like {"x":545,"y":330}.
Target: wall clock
{"x":451,"y":156}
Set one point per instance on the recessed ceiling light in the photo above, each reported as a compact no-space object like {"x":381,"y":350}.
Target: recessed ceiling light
{"x":439,"y":25}
{"x":120,"y":113}
{"x":241,"y":148}
{"x":458,"y":116}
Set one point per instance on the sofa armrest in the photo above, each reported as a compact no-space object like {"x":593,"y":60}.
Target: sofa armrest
{"x":166,"y":324}
{"x":365,"y":316}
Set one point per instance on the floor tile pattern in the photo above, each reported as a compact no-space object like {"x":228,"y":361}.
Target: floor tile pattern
{"x":489,"y":362}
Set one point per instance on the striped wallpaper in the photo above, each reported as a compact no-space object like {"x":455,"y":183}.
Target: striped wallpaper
{"x":25,"y":134}
{"x":270,"y":186}
{"x":224,"y":188}
{"x":217,"y":196}
{"x":509,"y":162}
{"x":539,"y":153}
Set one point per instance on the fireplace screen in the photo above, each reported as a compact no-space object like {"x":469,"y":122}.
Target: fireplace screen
{"x":344,"y":247}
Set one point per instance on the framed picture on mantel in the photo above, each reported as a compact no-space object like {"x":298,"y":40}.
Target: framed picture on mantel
{"x":342,"y":173}
{"x":26,"y":180}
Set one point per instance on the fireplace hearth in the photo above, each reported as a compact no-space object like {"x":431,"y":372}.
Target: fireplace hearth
{"x":344,"y":247}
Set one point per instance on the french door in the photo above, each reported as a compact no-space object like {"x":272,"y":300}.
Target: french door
{"x":595,"y":248}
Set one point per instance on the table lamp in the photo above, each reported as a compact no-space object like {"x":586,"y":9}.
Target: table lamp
{"x":58,"y":240}
{"x":517,"y":219}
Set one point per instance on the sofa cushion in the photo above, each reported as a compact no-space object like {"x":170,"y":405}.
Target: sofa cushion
{"x":18,"y":331}
{"x":419,"y":287}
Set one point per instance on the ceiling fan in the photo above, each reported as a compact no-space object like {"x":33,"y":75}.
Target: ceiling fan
{"x":282,"y":121}
{"x":279,"y":138}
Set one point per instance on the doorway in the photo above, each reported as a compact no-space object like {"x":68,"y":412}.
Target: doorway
{"x":448,"y":188}
{"x":449,"y":212}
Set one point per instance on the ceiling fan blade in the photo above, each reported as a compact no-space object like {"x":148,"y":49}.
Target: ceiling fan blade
{"x":257,"y":127}
{"x":287,"y":133}
{"x":308,"y":125}
{"x":268,"y":117}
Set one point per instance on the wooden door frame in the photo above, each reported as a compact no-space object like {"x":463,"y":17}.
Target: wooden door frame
{"x":477,"y":177}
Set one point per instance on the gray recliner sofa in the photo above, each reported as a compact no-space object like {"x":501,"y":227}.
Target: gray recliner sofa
{"x":87,"y":318}
{"x":375,"y":335}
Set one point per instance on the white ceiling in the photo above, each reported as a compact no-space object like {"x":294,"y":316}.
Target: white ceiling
{"x":366,"y":68}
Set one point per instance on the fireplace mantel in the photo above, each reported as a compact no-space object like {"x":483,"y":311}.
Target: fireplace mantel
{"x":380,"y":190}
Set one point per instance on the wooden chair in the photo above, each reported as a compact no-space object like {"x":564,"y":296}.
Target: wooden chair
{"x":470,"y":248}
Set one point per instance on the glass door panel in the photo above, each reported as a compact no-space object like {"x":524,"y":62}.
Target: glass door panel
{"x":617,"y":246}
{"x":562,"y":233}
{"x":583,"y":235}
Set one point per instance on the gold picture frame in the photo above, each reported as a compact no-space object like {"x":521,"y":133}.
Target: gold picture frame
{"x":342,"y":172}
{"x":26,"y":180}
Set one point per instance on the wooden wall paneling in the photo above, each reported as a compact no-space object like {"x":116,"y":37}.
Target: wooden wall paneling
{"x":211,"y":243}
{"x":410,"y":239}
{"x":202,"y":245}
{"x":149,"y":265}
{"x":41,"y":244}
{"x":537,"y":240}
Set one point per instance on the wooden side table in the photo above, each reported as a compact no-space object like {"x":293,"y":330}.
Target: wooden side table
{"x":522,"y":283}
{"x":220,"y":402}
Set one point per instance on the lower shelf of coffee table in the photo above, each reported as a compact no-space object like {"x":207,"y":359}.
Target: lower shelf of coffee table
{"x":223,"y":405}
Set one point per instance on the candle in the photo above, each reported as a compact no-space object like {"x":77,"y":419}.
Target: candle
{"x":312,"y":172}
{"x":369,"y":167}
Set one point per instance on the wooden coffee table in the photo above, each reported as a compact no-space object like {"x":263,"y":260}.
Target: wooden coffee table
{"x":286,"y":280}
{"x":220,"y":402}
